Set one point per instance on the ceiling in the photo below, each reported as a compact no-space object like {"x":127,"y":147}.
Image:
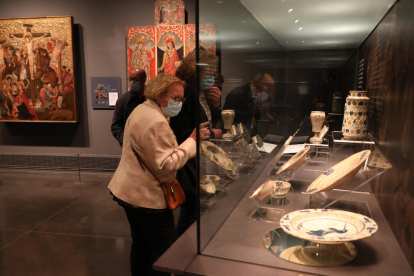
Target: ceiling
{"x":318,"y":24}
{"x":257,"y":31}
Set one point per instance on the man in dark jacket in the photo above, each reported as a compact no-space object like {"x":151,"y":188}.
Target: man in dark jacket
{"x":127,"y":103}
{"x":248,"y":100}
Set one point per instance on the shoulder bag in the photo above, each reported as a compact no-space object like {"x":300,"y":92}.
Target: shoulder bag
{"x":173,"y":193}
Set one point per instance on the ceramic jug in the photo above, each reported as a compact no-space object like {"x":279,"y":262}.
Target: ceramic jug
{"x":355,"y":124}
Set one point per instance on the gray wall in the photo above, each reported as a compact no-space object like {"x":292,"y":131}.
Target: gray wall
{"x":100,"y":34}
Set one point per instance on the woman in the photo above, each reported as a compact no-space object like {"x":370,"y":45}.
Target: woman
{"x":182,"y":125}
{"x":170,"y":58}
{"x":148,"y":133}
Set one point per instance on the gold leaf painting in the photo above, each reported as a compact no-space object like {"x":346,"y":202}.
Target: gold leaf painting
{"x":37,"y":70}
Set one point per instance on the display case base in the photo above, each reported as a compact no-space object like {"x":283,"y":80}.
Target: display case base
{"x":268,"y":214}
{"x":308,"y":253}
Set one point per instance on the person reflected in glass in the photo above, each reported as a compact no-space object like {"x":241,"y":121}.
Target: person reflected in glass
{"x":209,"y":102}
{"x":250,"y":100}
{"x":148,"y":133}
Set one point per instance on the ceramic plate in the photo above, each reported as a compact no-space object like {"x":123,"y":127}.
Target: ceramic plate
{"x":217,"y":155}
{"x":255,"y":151}
{"x":280,"y":152}
{"x":339,"y":174}
{"x":294,"y":161}
{"x":264,"y":192}
{"x":245,"y":151}
{"x":206,"y":179}
{"x":270,"y":189}
{"x":323,"y":132}
{"x":209,"y":188}
{"x":379,"y":161}
{"x":328,"y":225}
{"x":234,"y":130}
{"x":258,"y":140}
{"x":244,"y":132}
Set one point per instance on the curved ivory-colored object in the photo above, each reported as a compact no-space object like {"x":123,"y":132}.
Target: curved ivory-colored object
{"x":317,"y":119}
{"x":228,"y":117}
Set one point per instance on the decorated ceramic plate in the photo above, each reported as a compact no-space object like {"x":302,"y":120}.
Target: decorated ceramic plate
{"x":234,"y":130}
{"x":209,"y":188}
{"x":264,"y":192}
{"x":378,"y":160}
{"x":293,"y":163}
{"x":217,"y":155}
{"x":280,"y":152}
{"x":255,"y":151}
{"x":270,"y":189}
{"x":328,"y":225}
{"x":245,"y":133}
{"x":339,"y":174}
{"x":258,"y":140}
{"x":245,"y":150}
{"x":206,"y":179}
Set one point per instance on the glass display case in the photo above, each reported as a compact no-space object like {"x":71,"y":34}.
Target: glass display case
{"x":287,"y":187}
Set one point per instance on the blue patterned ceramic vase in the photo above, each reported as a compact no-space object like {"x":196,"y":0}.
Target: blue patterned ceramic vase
{"x":355,"y":124}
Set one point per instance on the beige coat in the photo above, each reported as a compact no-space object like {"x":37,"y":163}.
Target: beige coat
{"x":148,"y":132}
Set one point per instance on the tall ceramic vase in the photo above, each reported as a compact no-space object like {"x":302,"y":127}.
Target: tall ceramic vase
{"x":355,"y":124}
{"x":228,"y":117}
{"x":317,"y":119}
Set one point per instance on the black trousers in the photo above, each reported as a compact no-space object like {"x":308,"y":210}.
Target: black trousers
{"x":152,"y":233}
{"x":188,"y":214}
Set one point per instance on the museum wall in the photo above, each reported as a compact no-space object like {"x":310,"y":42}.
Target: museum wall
{"x":99,"y":36}
{"x":346,"y":76}
{"x":389,"y":59}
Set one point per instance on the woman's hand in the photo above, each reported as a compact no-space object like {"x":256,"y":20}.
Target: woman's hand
{"x":204,"y":132}
{"x":213,"y":95}
{"x":217,"y":133}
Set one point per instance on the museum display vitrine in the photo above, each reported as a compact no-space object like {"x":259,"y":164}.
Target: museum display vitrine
{"x":289,"y":180}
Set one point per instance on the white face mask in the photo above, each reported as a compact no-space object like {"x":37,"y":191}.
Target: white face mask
{"x":263,"y":96}
{"x":172,"y":109}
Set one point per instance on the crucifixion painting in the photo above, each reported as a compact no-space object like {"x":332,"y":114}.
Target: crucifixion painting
{"x":26,"y":39}
{"x":36,"y":70}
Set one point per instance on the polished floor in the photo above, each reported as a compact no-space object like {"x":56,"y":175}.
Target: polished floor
{"x":50,"y":224}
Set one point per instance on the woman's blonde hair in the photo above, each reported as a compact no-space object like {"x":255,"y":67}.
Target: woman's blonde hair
{"x":158,"y":86}
{"x":187,"y":69}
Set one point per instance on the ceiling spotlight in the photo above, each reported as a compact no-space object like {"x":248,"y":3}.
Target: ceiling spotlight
{"x":287,"y":41}
{"x":296,"y":21}
{"x":244,"y":21}
{"x":290,"y":10}
{"x":300,"y":28}
{"x":303,"y":41}
{"x":257,"y":42}
{"x":219,"y":2}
